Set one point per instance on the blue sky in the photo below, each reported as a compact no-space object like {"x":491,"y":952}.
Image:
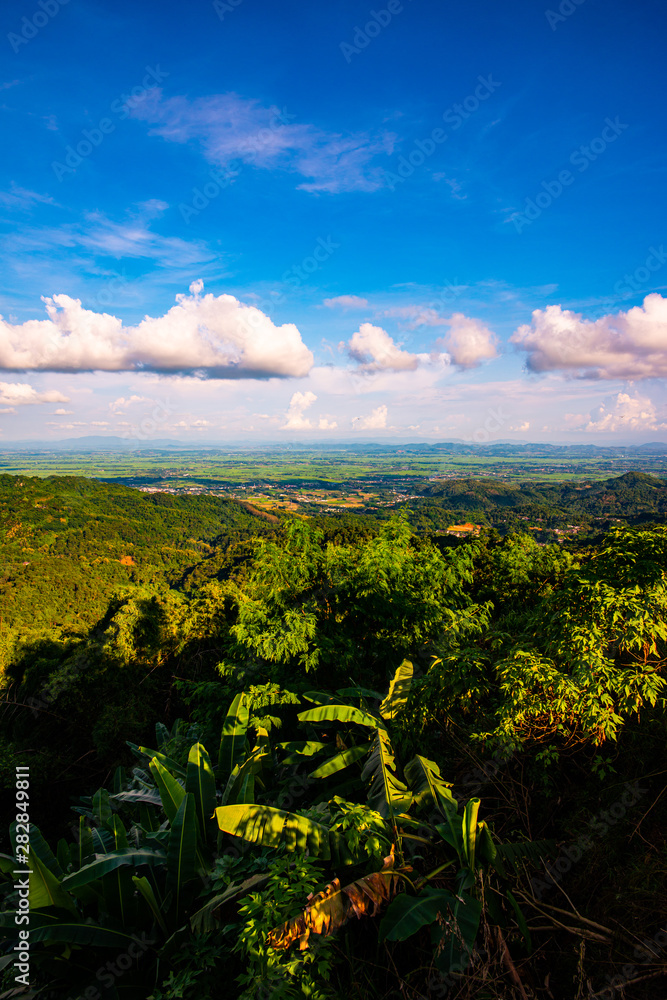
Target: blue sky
{"x":248,"y":221}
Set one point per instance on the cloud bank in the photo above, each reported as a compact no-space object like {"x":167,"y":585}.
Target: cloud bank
{"x":203,"y":335}
{"x":21,"y":394}
{"x":630,"y":344}
{"x":625,"y":413}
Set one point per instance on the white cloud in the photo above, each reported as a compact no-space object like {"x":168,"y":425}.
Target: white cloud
{"x":120,"y":405}
{"x":294,"y":418}
{"x":229,"y":127}
{"x":346,"y":302}
{"x":327,"y":425}
{"x":60,"y":412}
{"x":415,"y":315}
{"x":377,"y":420}
{"x":523,"y":426}
{"x":22,"y":394}
{"x":626,"y":413}
{"x":630,"y":344}
{"x":101,"y":236}
{"x":215,"y":337}
{"x":375,"y":350}
{"x":469,"y":341}
{"x":21,"y":198}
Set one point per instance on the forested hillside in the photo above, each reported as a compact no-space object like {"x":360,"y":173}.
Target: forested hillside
{"x":632,"y":497}
{"x":67,"y":545}
{"x":324,"y":757}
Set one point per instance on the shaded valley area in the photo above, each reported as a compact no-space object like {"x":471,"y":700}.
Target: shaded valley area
{"x":382,"y":720}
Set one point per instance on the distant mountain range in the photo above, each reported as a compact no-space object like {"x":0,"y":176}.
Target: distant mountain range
{"x":499,"y":449}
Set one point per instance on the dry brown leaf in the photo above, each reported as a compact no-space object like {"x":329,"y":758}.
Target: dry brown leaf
{"x":330,"y":909}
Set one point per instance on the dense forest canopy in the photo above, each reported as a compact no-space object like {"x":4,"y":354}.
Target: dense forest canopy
{"x":314,"y":755}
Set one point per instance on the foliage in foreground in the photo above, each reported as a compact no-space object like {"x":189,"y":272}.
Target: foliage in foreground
{"x":320,"y":827}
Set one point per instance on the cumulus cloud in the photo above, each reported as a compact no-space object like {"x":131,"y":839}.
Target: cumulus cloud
{"x":469,"y":341}
{"x":346,"y":302}
{"x":233,"y":128}
{"x":625,"y":413}
{"x":630,"y":344}
{"x":377,"y":420}
{"x":294,"y":418}
{"x":375,"y":350}
{"x":22,"y":394}
{"x":207,"y":336}
{"x":120,"y":405}
{"x":466,"y":345}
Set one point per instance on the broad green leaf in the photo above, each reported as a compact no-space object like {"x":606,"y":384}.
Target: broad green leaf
{"x":341,"y":713}
{"x":358,"y":692}
{"x":110,"y":862}
{"x":161,"y":734}
{"x":456,"y":939}
{"x":64,"y":859}
{"x":40,"y":849}
{"x":168,"y":762}
{"x":200,"y":780}
{"x":102,"y":841}
{"x":387,"y":794}
{"x":241,"y":782}
{"x":119,"y":832}
{"x":171,"y":793}
{"x":147,"y":818}
{"x":340,"y":761}
{"x":118,"y":782}
{"x":146,"y":890}
{"x":138,"y":795}
{"x":271,"y":827}
{"x":182,"y":849}
{"x":486,"y":848}
{"x":7,"y":864}
{"x":408,"y":914}
{"x":233,"y":736}
{"x":398,"y":691}
{"x":82,"y":934}
{"x":470,"y":831}
{"x":425,"y":780}
{"x":101,"y":807}
{"x":44,"y":889}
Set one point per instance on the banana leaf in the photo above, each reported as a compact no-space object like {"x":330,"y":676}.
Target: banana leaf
{"x":233,"y":735}
{"x":171,"y":792}
{"x":182,"y":850}
{"x":339,"y":762}
{"x":399,"y":689}
{"x":110,"y":862}
{"x":200,"y":781}
{"x":325,"y":714}
{"x":387,"y":794}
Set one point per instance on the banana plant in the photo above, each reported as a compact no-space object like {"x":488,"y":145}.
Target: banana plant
{"x":139,"y":873}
